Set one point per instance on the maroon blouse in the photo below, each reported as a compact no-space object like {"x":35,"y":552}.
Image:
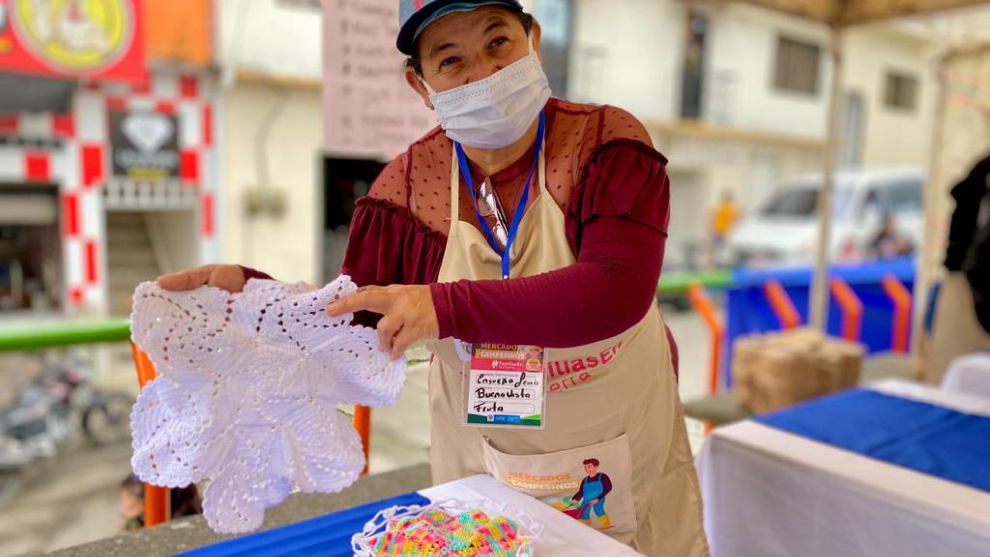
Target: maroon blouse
{"x":613,"y":188}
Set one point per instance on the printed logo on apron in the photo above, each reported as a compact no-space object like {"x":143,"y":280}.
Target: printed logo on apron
{"x":591,"y":484}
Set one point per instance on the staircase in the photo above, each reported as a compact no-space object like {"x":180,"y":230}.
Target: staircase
{"x":130,"y":259}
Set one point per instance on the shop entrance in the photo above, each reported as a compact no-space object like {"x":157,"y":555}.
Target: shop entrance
{"x":344,"y":182}
{"x":30,"y":249}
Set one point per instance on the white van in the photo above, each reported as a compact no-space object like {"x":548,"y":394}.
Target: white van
{"x":785,"y":230}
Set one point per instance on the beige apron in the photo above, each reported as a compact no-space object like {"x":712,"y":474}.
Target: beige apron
{"x":613,"y":402}
{"x":957,"y":331}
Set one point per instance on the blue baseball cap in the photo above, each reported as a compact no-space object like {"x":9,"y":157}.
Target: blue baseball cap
{"x":415,"y":15}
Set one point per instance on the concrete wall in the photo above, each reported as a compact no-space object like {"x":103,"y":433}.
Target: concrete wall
{"x":894,"y":137}
{"x":627,"y":53}
{"x":742,"y":57}
{"x":287,"y":246}
{"x":274,"y":37}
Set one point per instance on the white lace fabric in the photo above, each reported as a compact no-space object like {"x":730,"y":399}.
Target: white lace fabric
{"x":247,"y":394}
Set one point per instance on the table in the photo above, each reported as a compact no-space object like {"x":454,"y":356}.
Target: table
{"x":291,"y":529}
{"x":330,"y":535}
{"x":192,"y":532}
{"x":563,"y":536}
{"x":772,"y":493}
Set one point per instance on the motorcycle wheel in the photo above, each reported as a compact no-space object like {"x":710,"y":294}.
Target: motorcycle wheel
{"x":107,"y":420}
{"x":10,"y":483}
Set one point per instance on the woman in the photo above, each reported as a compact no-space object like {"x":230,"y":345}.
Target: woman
{"x":526,"y":220}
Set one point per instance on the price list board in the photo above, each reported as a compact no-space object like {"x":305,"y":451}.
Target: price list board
{"x":368,"y":106}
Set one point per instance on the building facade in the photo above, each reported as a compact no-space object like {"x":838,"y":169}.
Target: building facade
{"x":107,"y":160}
{"x":737,"y":96}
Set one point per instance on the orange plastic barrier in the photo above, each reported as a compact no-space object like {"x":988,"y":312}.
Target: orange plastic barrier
{"x":156,"y":499}
{"x":852,"y":309}
{"x":703,"y":305}
{"x":900,"y":296}
{"x":362,"y":423}
{"x":782,"y":305}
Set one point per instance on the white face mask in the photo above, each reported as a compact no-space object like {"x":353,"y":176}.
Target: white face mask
{"x":497,"y":111}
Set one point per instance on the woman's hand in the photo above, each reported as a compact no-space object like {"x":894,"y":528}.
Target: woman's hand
{"x":225,"y":277}
{"x":408,"y":315}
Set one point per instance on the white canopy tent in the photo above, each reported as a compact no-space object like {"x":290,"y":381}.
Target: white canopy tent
{"x":837,"y":15}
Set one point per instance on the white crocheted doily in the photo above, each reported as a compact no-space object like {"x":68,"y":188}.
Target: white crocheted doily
{"x":247,"y":394}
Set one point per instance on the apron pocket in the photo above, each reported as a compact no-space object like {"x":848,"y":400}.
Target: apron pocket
{"x":592,"y":484}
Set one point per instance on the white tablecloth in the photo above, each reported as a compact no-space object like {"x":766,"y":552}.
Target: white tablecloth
{"x":563,"y":537}
{"x":770,"y":493}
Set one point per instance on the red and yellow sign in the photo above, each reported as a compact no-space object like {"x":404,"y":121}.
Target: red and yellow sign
{"x":98,"y":39}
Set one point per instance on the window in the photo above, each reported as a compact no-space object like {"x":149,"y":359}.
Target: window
{"x":901,"y":91}
{"x":556,"y":19}
{"x":902,"y":196}
{"x":797,"y":66}
{"x":803,"y":202}
{"x":693,"y":75}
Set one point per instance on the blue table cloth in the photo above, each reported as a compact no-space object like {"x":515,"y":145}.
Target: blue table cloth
{"x":931,"y":439}
{"x":325,"y":536}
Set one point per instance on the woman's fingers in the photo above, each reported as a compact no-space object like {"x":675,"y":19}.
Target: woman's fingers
{"x":227,"y":277}
{"x":403,"y":341}
{"x":186,"y":280}
{"x":408,"y":314}
{"x":374,"y":299}
{"x":388,"y":328}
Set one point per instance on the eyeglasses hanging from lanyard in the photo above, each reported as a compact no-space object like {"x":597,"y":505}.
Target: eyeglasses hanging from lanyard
{"x":465,"y":170}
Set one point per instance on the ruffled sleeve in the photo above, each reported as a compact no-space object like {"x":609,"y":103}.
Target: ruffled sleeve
{"x":624,"y":178}
{"x":387,"y":245}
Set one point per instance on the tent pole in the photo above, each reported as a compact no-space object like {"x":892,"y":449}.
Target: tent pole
{"x":928,"y":250}
{"x":819,"y":286}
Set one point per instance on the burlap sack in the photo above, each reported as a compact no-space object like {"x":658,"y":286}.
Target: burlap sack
{"x":778,"y":370}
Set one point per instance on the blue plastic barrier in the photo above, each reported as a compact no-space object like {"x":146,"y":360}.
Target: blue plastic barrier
{"x":748,"y":311}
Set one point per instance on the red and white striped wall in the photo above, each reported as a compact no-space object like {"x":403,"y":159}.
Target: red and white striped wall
{"x":73,"y":151}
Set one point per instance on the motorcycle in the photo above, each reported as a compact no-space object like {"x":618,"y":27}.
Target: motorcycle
{"x":40,"y":422}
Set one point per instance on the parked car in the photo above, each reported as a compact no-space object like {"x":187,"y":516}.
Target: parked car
{"x":785,"y":230}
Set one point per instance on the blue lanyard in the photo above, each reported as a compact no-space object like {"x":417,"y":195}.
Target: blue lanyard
{"x":520,"y":209}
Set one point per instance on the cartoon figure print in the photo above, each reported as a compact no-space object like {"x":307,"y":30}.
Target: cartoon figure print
{"x":591,"y":495}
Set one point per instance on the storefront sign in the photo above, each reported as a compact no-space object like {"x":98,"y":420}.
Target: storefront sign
{"x":6,"y":43}
{"x":97,"y":39}
{"x":368,"y":106}
{"x":144,"y":145}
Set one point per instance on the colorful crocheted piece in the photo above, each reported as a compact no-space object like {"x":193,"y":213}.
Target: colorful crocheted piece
{"x":437,"y":534}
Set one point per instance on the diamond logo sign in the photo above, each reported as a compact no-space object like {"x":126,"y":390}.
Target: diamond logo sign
{"x":148,"y":131}
{"x":145,"y":144}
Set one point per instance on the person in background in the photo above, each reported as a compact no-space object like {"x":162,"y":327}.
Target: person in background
{"x":184,"y":501}
{"x":132,"y":503}
{"x":962,"y":314}
{"x":723,"y":219}
{"x":889,"y":243}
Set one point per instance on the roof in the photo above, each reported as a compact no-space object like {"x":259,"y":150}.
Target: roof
{"x":841,"y":13}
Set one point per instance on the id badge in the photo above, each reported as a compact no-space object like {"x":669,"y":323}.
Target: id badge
{"x":506,"y":386}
